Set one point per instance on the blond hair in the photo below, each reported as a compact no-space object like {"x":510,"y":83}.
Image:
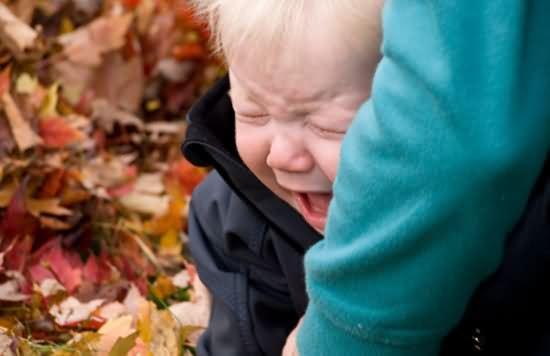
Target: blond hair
{"x":263,"y":27}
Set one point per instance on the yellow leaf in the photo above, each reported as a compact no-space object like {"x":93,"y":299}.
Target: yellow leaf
{"x":144,"y":321}
{"x":163,"y":287}
{"x":26,"y":84}
{"x":170,"y":243}
{"x":124,"y":345}
{"x":49,"y":106}
{"x":112,"y":331}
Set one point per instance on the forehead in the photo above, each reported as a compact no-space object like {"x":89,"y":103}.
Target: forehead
{"x":303,"y":71}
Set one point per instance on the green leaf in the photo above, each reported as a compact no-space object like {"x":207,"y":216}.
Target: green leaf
{"x":123,"y":345}
{"x":181,"y":295}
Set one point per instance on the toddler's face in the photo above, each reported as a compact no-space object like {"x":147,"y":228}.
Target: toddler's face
{"x":290,"y":120}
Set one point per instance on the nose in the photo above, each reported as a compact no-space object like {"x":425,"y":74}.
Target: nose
{"x":289,"y":154}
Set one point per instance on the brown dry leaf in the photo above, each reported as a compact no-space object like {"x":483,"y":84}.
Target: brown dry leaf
{"x":106,"y":115}
{"x":197,"y":311}
{"x":159,"y":330}
{"x":113,"y":330}
{"x":24,"y":10}
{"x":54,"y":224}
{"x":88,"y":44}
{"x":133,"y":300}
{"x":104,"y":172}
{"x":6,"y":192}
{"x":145,"y":203}
{"x":46,"y":206}
{"x":7,"y":142}
{"x":121,"y":82}
{"x":10,"y":291}
{"x":159,"y":128}
{"x":74,"y":78}
{"x":150,"y":183}
{"x":23,"y":134}
{"x":14,"y":33}
{"x":144,"y":15}
{"x":147,"y":196}
{"x":89,"y":7}
{"x":25,"y":84}
{"x":6,"y":343}
{"x":49,"y":287}
{"x":112,"y":310}
{"x":71,"y":310}
{"x":181,"y":279}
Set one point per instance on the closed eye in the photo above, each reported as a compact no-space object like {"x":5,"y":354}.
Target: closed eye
{"x":325,"y":133}
{"x":252,"y":118}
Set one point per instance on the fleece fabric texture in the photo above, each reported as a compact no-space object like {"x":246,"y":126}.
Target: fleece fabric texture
{"x":435,"y":170}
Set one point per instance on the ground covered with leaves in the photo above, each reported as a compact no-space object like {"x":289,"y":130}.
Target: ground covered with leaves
{"x":93,"y":188}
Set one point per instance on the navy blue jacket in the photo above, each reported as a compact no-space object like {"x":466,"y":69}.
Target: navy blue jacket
{"x":248,"y":246}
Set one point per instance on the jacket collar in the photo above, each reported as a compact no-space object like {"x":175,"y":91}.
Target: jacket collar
{"x":210,"y":141}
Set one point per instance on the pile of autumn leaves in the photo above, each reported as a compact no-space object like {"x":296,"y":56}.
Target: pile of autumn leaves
{"x":93,"y":189}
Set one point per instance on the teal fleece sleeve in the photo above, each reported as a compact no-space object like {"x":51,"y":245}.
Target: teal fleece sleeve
{"x":435,"y":170}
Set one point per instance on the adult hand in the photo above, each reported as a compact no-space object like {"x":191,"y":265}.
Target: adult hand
{"x":290,"y":348}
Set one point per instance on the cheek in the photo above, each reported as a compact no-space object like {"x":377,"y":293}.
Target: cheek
{"x":253,"y":149}
{"x":327,"y":155}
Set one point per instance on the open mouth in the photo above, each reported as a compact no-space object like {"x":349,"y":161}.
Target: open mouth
{"x":314,"y":208}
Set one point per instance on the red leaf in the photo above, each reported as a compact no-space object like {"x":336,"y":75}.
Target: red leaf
{"x":57,"y":133}
{"x":16,"y":221}
{"x":96,"y":269}
{"x":192,"y":270}
{"x":69,"y":276}
{"x":187,"y":175}
{"x":17,"y":257}
{"x":38,"y":273}
{"x":66,"y":266}
{"x":121,"y":190}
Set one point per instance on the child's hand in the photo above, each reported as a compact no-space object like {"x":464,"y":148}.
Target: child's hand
{"x":290,"y":348}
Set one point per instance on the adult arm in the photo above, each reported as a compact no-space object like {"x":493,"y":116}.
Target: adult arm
{"x":435,"y":170}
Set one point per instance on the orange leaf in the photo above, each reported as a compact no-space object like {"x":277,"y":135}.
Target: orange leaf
{"x":5,"y":79}
{"x":172,"y":220}
{"x":52,"y":185}
{"x":186,"y":175}
{"x":71,"y":196}
{"x":57,"y":133}
{"x":132,"y":4}
{"x":189,"y":51}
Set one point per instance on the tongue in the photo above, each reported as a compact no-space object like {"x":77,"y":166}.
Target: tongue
{"x":319,"y":202}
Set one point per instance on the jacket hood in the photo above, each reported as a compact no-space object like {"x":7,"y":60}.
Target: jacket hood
{"x":210,"y":141}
